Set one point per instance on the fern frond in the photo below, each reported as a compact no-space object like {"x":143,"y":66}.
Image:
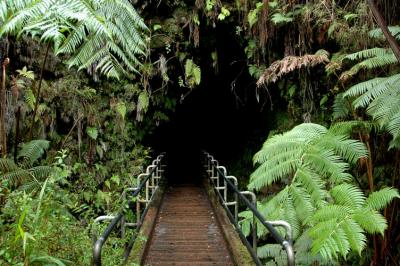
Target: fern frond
{"x":348,"y":195}
{"x":355,"y":235}
{"x":341,"y":107}
{"x":40,"y":172}
{"x":329,"y":239}
{"x":290,"y":63}
{"x":346,"y":128}
{"x":393,"y":125}
{"x":378,"y":200}
{"x":80,"y":28}
{"x":269,"y":251}
{"x":289,"y":214}
{"x":348,"y":149}
{"x":362,"y":87}
{"x":327,"y":163}
{"x":375,"y":89}
{"x":278,"y":146}
{"x":376,"y":62}
{"x":33,"y":150}
{"x":378,"y":34}
{"x":291,"y":142}
{"x":7,"y":165}
{"x":385,"y":107}
{"x":264,"y":176}
{"x":331,"y":212}
{"x":16,"y":177}
{"x":312,"y":183}
{"x":370,"y":220}
{"x":369,"y":53}
{"x":302,"y":202}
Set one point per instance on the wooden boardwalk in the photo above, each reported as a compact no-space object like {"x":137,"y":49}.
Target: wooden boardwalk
{"x":186,"y":231}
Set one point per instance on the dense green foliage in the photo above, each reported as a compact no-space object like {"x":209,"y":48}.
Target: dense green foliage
{"x":104,"y":35}
{"x":330,"y":167}
{"x":320,"y":200}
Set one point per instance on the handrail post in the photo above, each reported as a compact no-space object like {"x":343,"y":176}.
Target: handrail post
{"x":288,"y":244}
{"x":225,"y":184}
{"x":254,"y":231}
{"x":236,"y":199}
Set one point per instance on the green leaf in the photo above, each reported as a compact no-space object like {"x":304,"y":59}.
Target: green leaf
{"x":41,"y":195}
{"x":156,"y":27}
{"x":192,"y":73}
{"x":323,"y":100}
{"x":280,"y":18}
{"x":30,"y":98}
{"x":24,"y":72}
{"x":121,"y":109}
{"x":143,"y":100}
{"x":224,"y":13}
{"x":350,"y":16}
{"x":210,"y":4}
{"x":92,"y":132}
{"x":252,"y":17}
{"x":116,"y":179}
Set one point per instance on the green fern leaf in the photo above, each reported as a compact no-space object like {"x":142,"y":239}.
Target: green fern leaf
{"x":348,"y":195}
{"x":302,"y":202}
{"x":380,"y":199}
{"x":30,"y":98}
{"x":269,"y":251}
{"x":368,"y":53}
{"x":355,"y":235}
{"x":370,"y":220}
{"x":378,"y":34}
{"x":341,"y":107}
{"x":33,"y":150}
{"x":7,"y":165}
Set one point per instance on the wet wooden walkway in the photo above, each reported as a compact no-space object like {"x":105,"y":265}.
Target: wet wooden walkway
{"x":186,"y":231}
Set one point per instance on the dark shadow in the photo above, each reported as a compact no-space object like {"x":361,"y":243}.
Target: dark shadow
{"x":221,"y":116}
{"x":182,"y":146}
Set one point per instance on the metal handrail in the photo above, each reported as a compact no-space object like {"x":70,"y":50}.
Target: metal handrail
{"x":154,"y":171}
{"x":215,"y":171}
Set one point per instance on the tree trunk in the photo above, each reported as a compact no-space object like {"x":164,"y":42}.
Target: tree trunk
{"x":382,"y":24}
{"x":3,"y":104}
{"x":16,"y":141}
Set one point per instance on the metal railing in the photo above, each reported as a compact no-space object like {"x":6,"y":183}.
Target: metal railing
{"x":147,"y":185}
{"x":223,"y":184}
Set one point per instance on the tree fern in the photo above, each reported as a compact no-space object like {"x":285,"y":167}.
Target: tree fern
{"x":106,"y":34}
{"x":318,"y":199}
{"x":381,"y":97}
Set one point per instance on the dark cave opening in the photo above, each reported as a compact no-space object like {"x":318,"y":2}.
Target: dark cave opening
{"x":214,"y":117}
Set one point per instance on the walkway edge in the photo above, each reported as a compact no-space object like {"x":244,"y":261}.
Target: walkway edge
{"x":238,"y":250}
{"x":140,"y":245}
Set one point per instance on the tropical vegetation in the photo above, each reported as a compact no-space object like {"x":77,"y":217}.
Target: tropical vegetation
{"x":87,"y":84}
